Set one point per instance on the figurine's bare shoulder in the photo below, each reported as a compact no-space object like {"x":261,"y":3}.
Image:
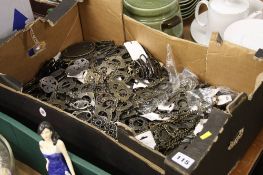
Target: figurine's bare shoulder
{"x":60,"y":143}
{"x":61,"y":146}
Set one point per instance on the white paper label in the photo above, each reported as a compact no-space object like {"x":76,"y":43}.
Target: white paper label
{"x":147,"y":139}
{"x":194,"y":108}
{"x":167,"y":108}
{"x":214,"y":92}
{"x":135,"y":50}
{"x":199,"y":127}
{"x":42,"y":112}
{"x":183,"y":160}
{"x":139,"y":85}
{"x":223,"y":99}
{"x":153,"y":116}
{"x":146,"y":81}
{"x":81,"y":76}
{"x":209,"y":92}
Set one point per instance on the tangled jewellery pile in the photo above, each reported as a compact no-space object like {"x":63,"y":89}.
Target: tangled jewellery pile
{"x":101,"y":84}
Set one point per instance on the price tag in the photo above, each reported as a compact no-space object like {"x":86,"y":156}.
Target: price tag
{"x":168,"y":108}
{"x":223,"y":99}
{"x":153,"y":116}
{"x":139,"y":85}
{"x":183,"y":160}
{"x":199,"y":127}
{"x":135,"y":50}
{"x":147,"y":139}
{"x":81,"y":76}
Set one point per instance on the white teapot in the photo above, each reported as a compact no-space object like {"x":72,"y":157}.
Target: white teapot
{"x":221,"y":13}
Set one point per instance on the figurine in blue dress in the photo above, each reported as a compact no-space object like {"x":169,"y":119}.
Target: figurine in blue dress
{"x":54,"y":151}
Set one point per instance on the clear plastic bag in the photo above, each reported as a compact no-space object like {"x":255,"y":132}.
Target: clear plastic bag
{"x":188,"y":80}
{"x":147,"y":106}
{"x":158,"y":98}
{"x":171,"y":68}
{"x":194,"y":100}
{"x":227,"y":91}
{"x":225,"y":96}
{"x":202,"y":99}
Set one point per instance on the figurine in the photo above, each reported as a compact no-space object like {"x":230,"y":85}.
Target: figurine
{"x":54,"y":151}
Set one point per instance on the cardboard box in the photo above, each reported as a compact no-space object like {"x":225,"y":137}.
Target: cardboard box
{"x":224,"y":65}
{"x":232,"y":131}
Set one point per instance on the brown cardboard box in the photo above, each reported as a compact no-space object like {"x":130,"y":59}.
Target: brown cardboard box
{"x":221,"y":64}
{"x":239,"y":69}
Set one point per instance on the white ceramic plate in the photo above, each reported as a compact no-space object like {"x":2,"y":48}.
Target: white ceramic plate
{"x":247,"y":33}
{"x":199,"y":33}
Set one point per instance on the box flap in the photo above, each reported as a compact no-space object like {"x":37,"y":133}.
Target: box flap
{"x":199,"y":147}
{"x":102,"y":20}
{"x":186,"y":53}
{"x":14,"y":59}
{"x":232,"y":66}
{"x":55,"y":15}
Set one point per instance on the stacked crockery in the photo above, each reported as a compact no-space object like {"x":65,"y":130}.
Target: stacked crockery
{"x":231,"y":19}
{"x":163,"y":15}
{"x":187,"y":8}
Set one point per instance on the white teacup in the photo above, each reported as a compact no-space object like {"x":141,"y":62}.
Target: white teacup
{"x":221,"y":13}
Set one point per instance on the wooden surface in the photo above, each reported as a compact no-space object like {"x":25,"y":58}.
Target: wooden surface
{"x":249,"y":159}
{"x":22,"y":169}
